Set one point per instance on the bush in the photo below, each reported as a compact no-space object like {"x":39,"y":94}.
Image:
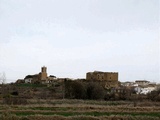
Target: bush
{"x":154,"y":95}
{"x":74,"y":89}
{"x":82,"y":90}
{"x":15,"y":93}
{"x":95,"y":91}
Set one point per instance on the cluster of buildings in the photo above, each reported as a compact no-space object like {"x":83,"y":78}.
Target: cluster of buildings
{"x":107,"y":79}
{"x":41,"y":77}
{"x":142,"y":86}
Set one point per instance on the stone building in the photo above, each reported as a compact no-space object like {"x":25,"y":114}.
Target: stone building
{"x":110,"y":79}
{"x":38,"y":78}
{"x":98,"y":75}
{"x":43,"y":73}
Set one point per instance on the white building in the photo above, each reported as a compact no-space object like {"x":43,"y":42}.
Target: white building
{"x":28,"y":80}
{"x":142,"y":82}
{"x":145,"y":89}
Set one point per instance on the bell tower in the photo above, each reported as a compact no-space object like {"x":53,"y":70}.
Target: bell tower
{"x":44,"y":69}
{"x":43,"y":73}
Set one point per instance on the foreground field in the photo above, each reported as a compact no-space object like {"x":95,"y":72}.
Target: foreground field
{"x":81,"y":110}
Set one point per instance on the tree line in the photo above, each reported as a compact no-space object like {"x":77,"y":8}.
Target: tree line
{"x":95,"y":91}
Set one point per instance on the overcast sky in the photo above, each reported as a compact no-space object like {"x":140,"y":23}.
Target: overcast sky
{"x":72,"y":37}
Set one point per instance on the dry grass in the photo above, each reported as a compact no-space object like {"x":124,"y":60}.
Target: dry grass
{"x":80,"y":110}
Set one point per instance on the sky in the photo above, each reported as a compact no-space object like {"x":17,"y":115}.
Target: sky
{"x":73,"y":37}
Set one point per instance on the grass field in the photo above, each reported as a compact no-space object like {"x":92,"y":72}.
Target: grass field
{"x":80,"y":110}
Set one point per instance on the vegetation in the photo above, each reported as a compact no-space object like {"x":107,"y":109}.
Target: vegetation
{"x":76,"y":100}
{"x":80,"y":109}
{"x":81,"y":90}
{"x":30,"y":85}
{"x":154,"y":95}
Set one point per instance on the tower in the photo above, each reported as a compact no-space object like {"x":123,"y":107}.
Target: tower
{"x":43,"y":73}
{"x":44,"y":69}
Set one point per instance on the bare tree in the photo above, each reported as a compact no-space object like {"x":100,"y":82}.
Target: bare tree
{"x":3,"y":78}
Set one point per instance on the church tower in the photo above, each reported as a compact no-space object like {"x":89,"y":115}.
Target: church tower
{"x":43,"y":73}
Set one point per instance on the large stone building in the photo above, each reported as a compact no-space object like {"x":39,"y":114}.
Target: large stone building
{"x":109,"y":78}
{"x":98,"y":75}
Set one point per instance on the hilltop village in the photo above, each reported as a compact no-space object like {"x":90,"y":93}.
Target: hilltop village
{"x":109,"y":80}
{"x":96,"y":85}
